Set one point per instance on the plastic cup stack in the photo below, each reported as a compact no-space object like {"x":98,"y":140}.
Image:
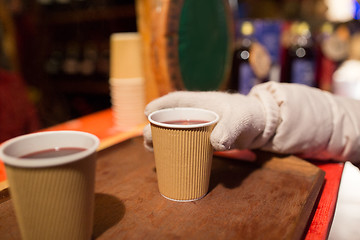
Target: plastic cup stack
{"x":126,"y":80}
{"x":127,"y":100}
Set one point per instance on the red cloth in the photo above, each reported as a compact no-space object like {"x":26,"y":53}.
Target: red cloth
{"x":17,"y":114}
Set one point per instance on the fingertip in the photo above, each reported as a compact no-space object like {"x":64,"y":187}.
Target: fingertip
{"x":219,"y":140}
{"x":147,"y":132}
{"x":148,"y":144}
{"x":218,"y":146}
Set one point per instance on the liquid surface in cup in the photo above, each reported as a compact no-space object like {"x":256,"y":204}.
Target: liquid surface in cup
{"x":53,"y":152}
{"x":185,"y":122}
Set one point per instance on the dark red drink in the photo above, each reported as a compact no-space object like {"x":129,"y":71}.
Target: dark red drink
{"x":53,"y":152}
{"x":186,"y":122}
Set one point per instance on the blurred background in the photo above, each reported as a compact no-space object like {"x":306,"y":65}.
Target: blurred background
{"x":55,"y":60}
{"x":60,"y":48}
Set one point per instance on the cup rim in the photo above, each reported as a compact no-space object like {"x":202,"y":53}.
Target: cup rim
{"x":46,"y":162}
{"x":161,"y":124}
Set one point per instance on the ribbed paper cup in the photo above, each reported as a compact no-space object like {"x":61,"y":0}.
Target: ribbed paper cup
{"x":183,"y":153}
{"x":53,"y":197}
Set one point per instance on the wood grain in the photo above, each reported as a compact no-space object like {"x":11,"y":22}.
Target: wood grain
{"x":270,"y":198}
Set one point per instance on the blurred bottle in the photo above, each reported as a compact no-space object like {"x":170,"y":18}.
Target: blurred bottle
{"x":268,"y":33}
{"x":325,"y":66}
{"x":301,"y":55}
{"x":103,"y":62}
{"x":332,"y":51}
{"x":54,"y":63}
{"x":89,"y":60}
{"x":71,"y":64}
{"x":242,"y":75}
{"x":287,"y":35}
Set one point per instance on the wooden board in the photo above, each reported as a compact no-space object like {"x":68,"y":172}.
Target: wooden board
{"x":272,"y":197}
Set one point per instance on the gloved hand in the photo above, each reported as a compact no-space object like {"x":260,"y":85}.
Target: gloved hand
{"x":242,"y":118}
{"x":277,"y":117}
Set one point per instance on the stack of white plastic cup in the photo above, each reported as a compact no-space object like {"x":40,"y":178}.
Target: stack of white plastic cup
{"x":126,"y":80}
{"x":127,"y":99}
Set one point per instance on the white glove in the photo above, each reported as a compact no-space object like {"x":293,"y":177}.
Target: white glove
{"x":314,"y":123}
{"x":242,"y":118}
{"x":277,"y":117}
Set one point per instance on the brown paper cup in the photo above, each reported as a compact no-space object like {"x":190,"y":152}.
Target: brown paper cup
{"x":53,"y":198}
{"x":183,"y":153}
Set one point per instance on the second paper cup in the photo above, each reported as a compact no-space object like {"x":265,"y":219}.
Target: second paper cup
{"x":53,"y":195}
{"x":183,"y":152}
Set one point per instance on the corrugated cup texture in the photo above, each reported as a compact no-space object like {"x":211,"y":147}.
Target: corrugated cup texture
{"x":183,"y":160}
{"x":54,"y":202}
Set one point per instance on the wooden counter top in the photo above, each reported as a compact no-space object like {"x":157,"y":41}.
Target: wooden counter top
{"x":129,"y":206}
{"x":272,"y":197}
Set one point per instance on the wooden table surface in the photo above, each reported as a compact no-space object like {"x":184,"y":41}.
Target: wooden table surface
{"x":127,"y":199}
{"x":270,"y":198}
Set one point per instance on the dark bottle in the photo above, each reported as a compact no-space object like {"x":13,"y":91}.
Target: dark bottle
{"x":301,"y":56}
{"x":53,"y":64}
{"x":325,"y":65}
{"x":242,"y":75}
{"x":103,"y":61}
{"x":268,"y":34}
{"x":71,"y":64}
{"x":89,"y":60}
{"x":333,"y":49}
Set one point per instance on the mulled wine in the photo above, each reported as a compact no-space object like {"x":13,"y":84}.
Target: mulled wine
{"x":186,"y":122}
{"x":53,"y":153}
